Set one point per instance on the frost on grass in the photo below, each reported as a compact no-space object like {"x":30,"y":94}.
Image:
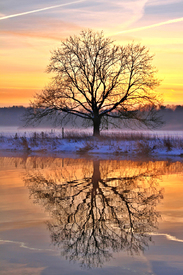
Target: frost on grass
{"x":116,"y":144}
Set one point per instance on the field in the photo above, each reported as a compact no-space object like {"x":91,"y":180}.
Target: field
{"x":124,"y":144}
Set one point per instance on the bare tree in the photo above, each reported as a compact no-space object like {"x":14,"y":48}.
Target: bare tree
{"x":99,"y":81}
{"x":100,"y":213}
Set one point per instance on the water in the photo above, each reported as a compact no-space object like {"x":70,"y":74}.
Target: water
{"x":80,"y":216}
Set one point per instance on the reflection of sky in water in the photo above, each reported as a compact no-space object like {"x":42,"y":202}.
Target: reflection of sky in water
{"x":25,"y":246}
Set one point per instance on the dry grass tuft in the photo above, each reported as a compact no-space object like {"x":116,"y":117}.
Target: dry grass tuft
{"x":88,"y":146}
{"x":143,"y":148}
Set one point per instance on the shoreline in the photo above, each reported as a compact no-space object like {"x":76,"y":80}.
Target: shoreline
{"x":150,"y":150}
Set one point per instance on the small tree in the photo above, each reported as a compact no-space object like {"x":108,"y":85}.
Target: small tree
{"x":99,"y":82}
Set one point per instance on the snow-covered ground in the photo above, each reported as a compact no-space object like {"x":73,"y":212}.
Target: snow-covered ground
{"x":124,"y":145}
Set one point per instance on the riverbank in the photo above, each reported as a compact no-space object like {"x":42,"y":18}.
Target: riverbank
{"x":122,"y":145}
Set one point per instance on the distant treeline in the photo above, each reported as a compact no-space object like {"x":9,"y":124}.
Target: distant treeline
{"x":11,"y":116}
{"x":172,"y":117}
{"x":14,"y":116}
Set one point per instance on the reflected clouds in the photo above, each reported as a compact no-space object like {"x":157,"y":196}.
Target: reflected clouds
{"x":98,"y":207}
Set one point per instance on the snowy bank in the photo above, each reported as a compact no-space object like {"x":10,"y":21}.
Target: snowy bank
{"x":118,"y":145}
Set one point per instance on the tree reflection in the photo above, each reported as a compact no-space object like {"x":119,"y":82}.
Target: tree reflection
{"x":101,"y":213}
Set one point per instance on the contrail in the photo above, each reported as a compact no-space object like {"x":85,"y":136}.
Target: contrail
{"x":169,"y":237}
{"x":23,"y":245}
{"x":43,"y":9}
{"x":151,"y":26}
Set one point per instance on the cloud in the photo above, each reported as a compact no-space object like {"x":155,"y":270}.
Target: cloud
{"x":168,"y":236}
{"x":162,"y":2}
{"x":39,"y":10}
{"x":42,"y":29}
{"x":22,"y":244}
{"x":151,"y":26}
{"x":20,"y":268}
{"x":134,"y":10}
{"x":90,"y":14}
{"x":105,"y":15}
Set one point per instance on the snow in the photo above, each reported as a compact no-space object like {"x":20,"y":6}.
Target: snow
{"x":111,"y":146}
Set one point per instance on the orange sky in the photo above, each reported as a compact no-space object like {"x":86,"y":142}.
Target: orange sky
{"x":27,"y":39}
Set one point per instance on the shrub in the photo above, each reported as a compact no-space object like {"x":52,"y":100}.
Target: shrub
{"x":168,"y":144}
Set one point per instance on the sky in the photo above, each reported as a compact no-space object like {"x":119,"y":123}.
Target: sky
{"x":30,"y":30}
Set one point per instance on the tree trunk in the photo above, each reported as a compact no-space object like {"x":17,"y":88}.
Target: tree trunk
{"x":96,"y":177}
{"x":96,"y":127}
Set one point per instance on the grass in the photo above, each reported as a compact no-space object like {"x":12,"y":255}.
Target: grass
{"x":140,"y":143}
{"x":126,"y":136}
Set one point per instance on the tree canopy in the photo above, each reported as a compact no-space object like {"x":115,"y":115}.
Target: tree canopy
{"x":98,"y":81}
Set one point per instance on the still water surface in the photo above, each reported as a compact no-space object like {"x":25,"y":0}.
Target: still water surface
{"x":79,"y":216}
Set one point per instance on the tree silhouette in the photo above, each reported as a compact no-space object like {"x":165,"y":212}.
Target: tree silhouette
{"x":101,"y":213}
{"x":99,"y":82}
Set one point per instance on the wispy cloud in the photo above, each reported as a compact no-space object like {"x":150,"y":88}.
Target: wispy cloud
{"x":151,"y":26}
{"x":39,"y":10}
{"x":23,"y":245}
{"x":134,"y":10}
{"x":98,"y":14}
{"x":107,"y":15}
{"x":162,"y":2}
